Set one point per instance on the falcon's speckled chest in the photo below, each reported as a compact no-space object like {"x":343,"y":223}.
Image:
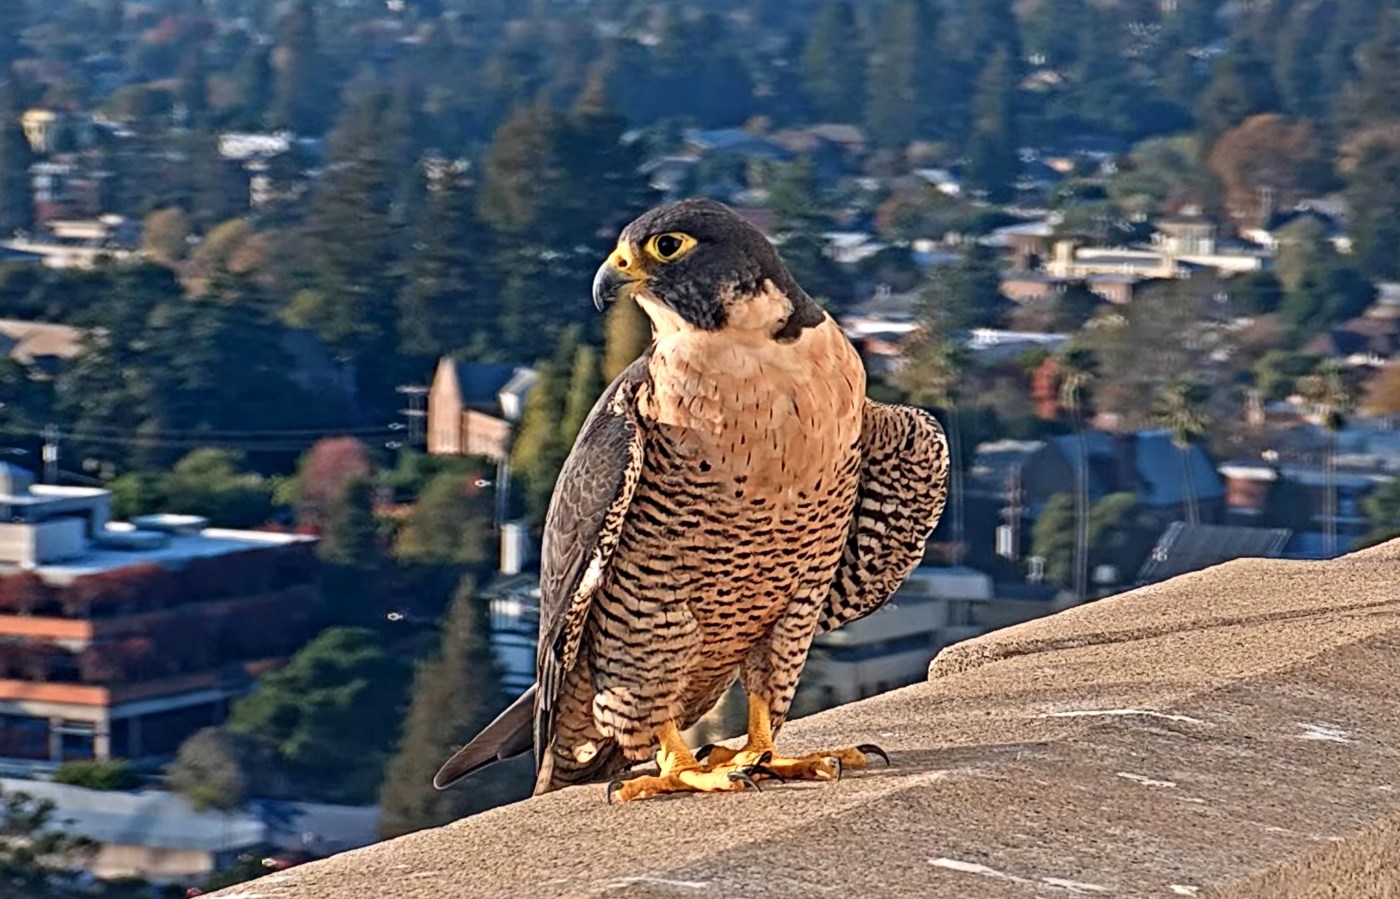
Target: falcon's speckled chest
{"x":753,"y":455}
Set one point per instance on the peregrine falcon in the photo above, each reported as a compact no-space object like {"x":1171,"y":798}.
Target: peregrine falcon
{"x":732,"y":494}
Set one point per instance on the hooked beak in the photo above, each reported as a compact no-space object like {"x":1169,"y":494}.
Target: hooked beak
{"x":615,"y":278}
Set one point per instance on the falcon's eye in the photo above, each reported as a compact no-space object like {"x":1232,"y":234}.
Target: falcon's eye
{"x":670,"y":246}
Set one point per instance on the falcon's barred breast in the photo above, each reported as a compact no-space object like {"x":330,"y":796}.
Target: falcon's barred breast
{"x":732,"y":494}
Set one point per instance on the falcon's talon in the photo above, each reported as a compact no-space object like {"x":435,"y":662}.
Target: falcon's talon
{"x":872,"y":749}
{"x":704,"y":752}
{"x":839,"y":767}
{"x":744,"y":778}
{"x":613,"y":786}
{"x":765,"y":771}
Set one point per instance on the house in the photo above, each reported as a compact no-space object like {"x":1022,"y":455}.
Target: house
{"x":1250,"y":485}
{"x":473,"y":407}
{"x":161,"y":838}
{"x":1366,"y":341}
{"x":1184,"y":548}
{"x":120,"y":640}
{"x":42,"y":345}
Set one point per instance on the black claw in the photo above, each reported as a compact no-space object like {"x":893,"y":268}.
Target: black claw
{"x":611,"y":788}
{"x":839,"y":768}
{"x":765,"y":771}
{"x":872,"y":749}
{"x":765,"y":758}
{"x":743,"y":777}
{"x":704,"y":752}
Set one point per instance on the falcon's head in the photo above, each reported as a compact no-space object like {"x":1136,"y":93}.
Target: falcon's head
{"x":696,"y":265}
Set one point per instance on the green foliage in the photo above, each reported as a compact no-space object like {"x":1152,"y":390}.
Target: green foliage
{"x":627,"y":334}
{"x":35,"y":851}
{"x":1277,"y":372}
{"x":329,"y":717}
{"x":114,"y":774}
{"x":1256,"y":293}
{"x":902,"y":74}
{"x":209,"y":770}
{"x":964,"y":295}
{"x":1328,"y":292}
{"x":1120,"y":534}
{"x":585,"y":386}
{"x":993,"y":152}
{"x":450,"y":523}
{"x":1373,"y":191}
{"x":16,"y":210}
{"x":455,"y":695}
{"x":350,"y":535}
{"x":539,"y":450}
{"x":207,"y":482}
{"x":800,"y":222}
{"x":1383,"y":513}
{"x":833,"y":68}
{"x":300,"y":98}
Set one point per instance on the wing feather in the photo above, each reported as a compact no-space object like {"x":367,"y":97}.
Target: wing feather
{"x":903,"y":488}
{"x":581,"y":532}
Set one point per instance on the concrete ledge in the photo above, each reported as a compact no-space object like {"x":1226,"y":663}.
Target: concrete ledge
{"x":1238,"y":728}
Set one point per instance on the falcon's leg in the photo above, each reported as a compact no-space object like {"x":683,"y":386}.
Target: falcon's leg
{"x":680,"y":773}
{"x":759,"y":751}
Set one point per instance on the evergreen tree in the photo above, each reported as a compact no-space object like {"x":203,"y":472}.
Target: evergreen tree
{"x":450,"y":524}
{"x":585,"y":386}
{"x":801,"y":221}
{"x":350,"y":535}
{"x":1373,"y":190}
{"x":1376,"y":96}
{"x":1241,"y":85}
{"x":300,"y":97}
{"x":16,"y":205}
{"x":964,"y":295}
{"x":994,"y":150}
{"x":192,"y":88}
{"x":627,"y":334}
{"x":1300,"y":56}
{"x":446,"y":304}
{"x":455,"y":695}
{"x":899,"y":74}
{"x":255,"y":87}
{"x":539,"y":450}
{"x":833,"y":63}
{"x":14,"y":18}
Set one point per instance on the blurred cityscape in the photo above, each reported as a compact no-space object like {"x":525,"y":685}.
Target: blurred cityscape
{"x":295,"y":335}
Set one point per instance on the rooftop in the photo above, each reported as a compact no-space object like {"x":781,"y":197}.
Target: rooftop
{"x":1235,"y":728}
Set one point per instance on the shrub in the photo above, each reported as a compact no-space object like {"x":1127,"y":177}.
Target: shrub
{"x":115,"y":774}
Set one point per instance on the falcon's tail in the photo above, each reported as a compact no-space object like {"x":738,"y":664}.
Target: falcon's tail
{"x":509,"y":735}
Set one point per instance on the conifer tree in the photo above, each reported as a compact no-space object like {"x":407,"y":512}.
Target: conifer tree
{"x":350,"y":535}
{"x":585,"y":385}
{"x":627,"y":334}
{"x":14,"y":18}
{"x":301,"y":99}
{"x":455,"y":695}
{"x":16,"y":204}
{"x":993,"y":153}
{"x":833,"y":63}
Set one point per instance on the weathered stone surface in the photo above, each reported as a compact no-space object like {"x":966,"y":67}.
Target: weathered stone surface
{"x":1238,"y":728}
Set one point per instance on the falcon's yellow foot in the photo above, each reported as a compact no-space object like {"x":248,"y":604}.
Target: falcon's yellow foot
{"x":680,"y":773}
{"x":824,"y":765}
{"x":685,"y":780}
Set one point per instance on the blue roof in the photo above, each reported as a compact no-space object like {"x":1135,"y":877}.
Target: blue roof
{"x":480,"y":382}
{"x":1163,"y":475}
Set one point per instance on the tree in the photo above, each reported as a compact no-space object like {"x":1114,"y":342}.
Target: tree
{"x":208,"y":771}
{"x":1241,"y":85}
{"x":539,"y":450}
{"x":301,"y":99}
{"x":455,"y":695}
{"x":329,"y":717}
{"x":323,"y":472}
{"x":964,"y":295}
{"x":445,"y":305}
{"x":1267,"y":163}
{"x":1180,"y":409}
{"x":165,"y":237}
{"x":1373,"y":192}
{"x":1120,"y":534}
{"x":1331,"y":398}
{"x":16,"y":207}
{"x":1077,"y":369}
{"x":933,"y":376}
{"x":626,"y":335}
{"x":210,"y":482}
{"x":833,"y":63}
{"x":1277,"y":372}
{"x":350,"y":535}
{"x":255,"y":87}
{"x":111,"y":774}
{"x":450,"y":523}
{"x":35,"y":850}
{"x":994,"y":150}
{"x":800,"y":225}
{"x":585,"y":386}
{"x":1329,"y":291}
{"x":1383,"y":391}
{"x":1383,"y":513}
{"x":1379,"y":62}
{"x":899,"y":74}
{"x":1302,"y":243}
{"x":14,"y":18}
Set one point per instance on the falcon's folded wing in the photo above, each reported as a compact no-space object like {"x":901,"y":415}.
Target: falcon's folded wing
{"x":903,"y":487}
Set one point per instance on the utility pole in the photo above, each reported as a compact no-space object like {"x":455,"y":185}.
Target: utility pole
{"x":416,"y":414}
{"x":50,"y":456}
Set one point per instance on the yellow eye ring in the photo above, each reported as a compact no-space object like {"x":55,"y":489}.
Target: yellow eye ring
{"x":670,"y":246}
